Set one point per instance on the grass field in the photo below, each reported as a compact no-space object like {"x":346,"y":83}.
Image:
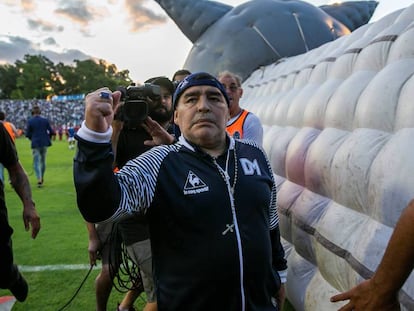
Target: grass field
{"x":62,"y":239}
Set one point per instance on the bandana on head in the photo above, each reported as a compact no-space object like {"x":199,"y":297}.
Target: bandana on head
{"x":195,"y":79}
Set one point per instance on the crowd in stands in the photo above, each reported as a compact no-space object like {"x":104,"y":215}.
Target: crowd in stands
{"x":59,"y":113}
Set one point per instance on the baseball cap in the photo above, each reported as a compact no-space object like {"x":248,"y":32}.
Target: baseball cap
{"x":195,"y":79}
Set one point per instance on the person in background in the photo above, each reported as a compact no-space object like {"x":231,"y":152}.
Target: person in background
{"x":242,"y":124}
{"x":129,"y":141}
{"x":53,"y":136}
{"x":12,"y":130}
{"x":210,"y":202}
{"x":10,"y":276}
{"x":71,"y":136}
{"x":133,"y":141}
{"x":102,"y":246}
{"x":380,"y":292}
{"x":60,"y":132}
{"x":39,"y":131}
{"x":179,"y":75}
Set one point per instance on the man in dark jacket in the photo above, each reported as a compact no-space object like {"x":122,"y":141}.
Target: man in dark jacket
{"x":39,"y":131}
{"x":210,"y":201}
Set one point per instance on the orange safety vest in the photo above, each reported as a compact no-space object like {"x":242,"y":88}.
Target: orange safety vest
{"x":236,"y":128}
{"x":9,"y":129}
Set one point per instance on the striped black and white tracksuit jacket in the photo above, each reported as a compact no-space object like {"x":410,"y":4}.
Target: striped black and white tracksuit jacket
{"x":212,"y":249}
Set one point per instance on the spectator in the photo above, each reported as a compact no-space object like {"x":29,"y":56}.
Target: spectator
{"x":71,"y":111}
{"x":60,"y":132}
{"x":210,"y":201}
{"x":55,"y":130}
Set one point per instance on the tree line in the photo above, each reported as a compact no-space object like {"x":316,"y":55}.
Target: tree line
{"x":37,"y":77}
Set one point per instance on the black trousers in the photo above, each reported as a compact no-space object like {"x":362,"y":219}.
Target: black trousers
{"x":8,"y":270}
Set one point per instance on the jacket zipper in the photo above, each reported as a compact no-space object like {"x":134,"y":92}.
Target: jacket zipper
{"x":226,"y":179}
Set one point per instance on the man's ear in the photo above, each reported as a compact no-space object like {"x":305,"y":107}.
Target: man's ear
{"x":241,"y":92}
{"x":175,"y":116}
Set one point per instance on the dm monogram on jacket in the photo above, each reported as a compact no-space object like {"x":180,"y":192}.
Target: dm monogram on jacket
{"x":194,"y":184}
{"x":250,"y":167}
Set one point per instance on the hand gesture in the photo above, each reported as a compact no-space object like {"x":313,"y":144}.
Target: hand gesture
{"x":159,"y":135}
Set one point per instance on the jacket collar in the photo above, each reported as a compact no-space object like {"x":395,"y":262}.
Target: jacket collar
{"x":182,"y":140}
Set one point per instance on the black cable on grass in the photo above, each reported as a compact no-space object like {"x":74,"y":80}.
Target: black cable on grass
{"x":108,"y":240}
{"x":124,"y":272}
{"x":79,"y":288}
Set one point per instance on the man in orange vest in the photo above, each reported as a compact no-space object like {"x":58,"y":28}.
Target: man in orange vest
{"x":242,"y":124}
{"x":11,"y":129}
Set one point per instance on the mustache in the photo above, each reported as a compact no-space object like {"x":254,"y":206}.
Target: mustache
{"x":203,"y":118}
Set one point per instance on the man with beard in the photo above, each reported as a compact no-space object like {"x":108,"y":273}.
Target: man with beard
{"x":129,"y":141}
{"x":134,"y":140}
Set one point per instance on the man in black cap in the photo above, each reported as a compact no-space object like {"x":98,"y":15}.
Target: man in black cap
{"x":210,"y":202}
{"x":129,"y":141}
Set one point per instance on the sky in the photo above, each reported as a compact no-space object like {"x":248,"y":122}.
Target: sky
{"x":135,"y":35}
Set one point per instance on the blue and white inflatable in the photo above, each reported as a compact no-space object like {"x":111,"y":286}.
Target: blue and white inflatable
{"x":259,"y":32}
{"x":339,"y":131}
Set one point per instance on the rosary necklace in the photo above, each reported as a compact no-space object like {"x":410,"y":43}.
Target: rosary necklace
{"x":232,"y":186}
{"x":225,"y":172}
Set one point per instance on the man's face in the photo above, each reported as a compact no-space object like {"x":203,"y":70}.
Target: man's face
{"x":162,"y":110}
{"x":202,"y":114}
{"x":234,"y":92}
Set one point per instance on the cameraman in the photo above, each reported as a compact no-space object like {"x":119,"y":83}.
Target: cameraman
{"x":129,"y":139}
{"x":160,"y":110}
